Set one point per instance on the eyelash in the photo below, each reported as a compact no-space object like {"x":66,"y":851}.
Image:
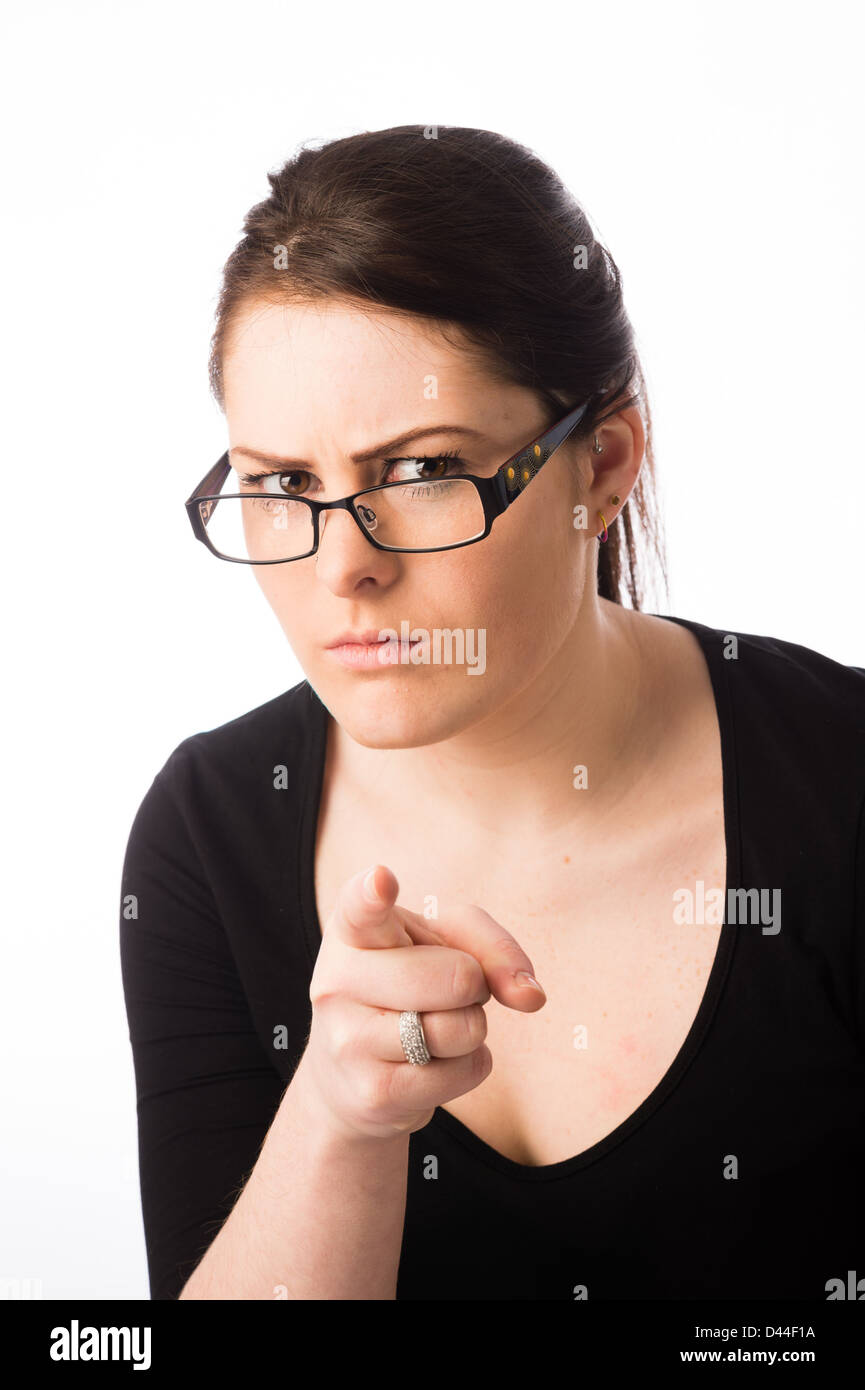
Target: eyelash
{"x":449,"y":455}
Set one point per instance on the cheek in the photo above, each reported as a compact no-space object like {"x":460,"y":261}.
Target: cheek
{"x":542,"y":553}
{"x":526,"y":592}
{"x":269,"y":586}
{"x":287,"y":597}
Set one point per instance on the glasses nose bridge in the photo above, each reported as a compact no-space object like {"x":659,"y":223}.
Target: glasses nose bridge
{"x":340,"y":504}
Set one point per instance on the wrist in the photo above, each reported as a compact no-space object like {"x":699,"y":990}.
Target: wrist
{"x":317,"y":1117}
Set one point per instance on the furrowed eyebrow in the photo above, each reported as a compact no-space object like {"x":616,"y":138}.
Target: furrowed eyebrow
{"x":365,"y":455}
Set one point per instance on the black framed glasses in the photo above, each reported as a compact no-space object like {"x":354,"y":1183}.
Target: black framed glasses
{"x":417,"y":516}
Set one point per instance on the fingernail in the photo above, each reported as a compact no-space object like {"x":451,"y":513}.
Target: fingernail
{"x":369,"y":891}
{"x":528,"y":981}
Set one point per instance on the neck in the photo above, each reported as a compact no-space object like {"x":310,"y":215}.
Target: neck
{"x":596,"y":704}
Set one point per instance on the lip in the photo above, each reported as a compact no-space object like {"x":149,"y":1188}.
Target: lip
{"x":368,"y":638}
{"x":362,"y":651}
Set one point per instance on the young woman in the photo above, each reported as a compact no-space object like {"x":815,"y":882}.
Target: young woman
{"x":517,"y":952}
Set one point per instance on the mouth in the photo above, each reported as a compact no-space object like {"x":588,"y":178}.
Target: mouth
{"x":366,"y":651}
{"x":370,"y":638}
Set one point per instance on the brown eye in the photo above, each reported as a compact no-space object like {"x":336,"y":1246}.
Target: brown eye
{"x":293,"y":478}
{"x":438,"y":467}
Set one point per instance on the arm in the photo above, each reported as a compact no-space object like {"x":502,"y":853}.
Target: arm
{"x":244,"y":1187}
{"x":321,"y":1216}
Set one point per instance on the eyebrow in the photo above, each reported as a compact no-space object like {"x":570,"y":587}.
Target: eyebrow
{"x":365,"y":455}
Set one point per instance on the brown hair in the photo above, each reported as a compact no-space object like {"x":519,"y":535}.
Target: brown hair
{"x":467,"y":227}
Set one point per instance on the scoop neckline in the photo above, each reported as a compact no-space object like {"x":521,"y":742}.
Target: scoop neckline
{"x":709,"y":640}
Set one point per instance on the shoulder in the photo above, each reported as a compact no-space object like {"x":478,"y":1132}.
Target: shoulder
{"x":809,"y":694}
{"x":792,"y":724}
{"x":278,"y":733}
{"x":784,"y":685}
{"x":796,"y":724}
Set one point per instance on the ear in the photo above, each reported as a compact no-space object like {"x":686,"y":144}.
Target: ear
{"x":614,"y":471}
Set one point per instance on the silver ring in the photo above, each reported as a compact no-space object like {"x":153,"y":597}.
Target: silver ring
{"x":412,"y":1038}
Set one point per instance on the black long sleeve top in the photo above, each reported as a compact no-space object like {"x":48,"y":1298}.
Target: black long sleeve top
{"x":218,"y":938}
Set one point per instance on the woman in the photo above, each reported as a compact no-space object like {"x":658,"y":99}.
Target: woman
{"x":496,"y":763}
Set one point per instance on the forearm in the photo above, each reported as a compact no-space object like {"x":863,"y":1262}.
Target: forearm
{"x":321,"y":1215}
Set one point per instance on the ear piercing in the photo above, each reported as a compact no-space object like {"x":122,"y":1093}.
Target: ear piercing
{"x":598,"y":448}
{"x":615,"y":499}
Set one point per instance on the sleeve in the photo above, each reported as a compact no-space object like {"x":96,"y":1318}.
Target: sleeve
{"x":206,"y":1091}
{"x":859,"y":920}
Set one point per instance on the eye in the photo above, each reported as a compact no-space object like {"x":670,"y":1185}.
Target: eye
{"x":440,"y":466}
{"x":291,"y":484}
{"x":296,"y":482}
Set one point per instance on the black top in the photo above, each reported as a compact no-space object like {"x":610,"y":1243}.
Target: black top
{"x":770,"y":1080}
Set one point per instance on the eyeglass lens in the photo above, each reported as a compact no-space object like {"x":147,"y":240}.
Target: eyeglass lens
{"x":414,"y":516}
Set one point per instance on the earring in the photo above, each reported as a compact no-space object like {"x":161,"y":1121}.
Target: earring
{"x":597,"y":447}
{"x":615,"y":499}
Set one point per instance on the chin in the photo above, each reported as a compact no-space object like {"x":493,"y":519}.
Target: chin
{"x":402,"y":713}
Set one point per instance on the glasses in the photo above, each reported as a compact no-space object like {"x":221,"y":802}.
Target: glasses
{"x":414,"y":517}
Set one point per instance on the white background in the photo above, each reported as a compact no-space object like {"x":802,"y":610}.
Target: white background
{"x":717,"y":151}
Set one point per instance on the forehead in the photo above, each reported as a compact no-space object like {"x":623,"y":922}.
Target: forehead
{"x":324,"y":380}
{"x":302,"y":355}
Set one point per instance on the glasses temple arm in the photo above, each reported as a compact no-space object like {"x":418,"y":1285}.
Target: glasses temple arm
{"x":559,"y":432}
{"x":212,"y":481}
{"x":516,"y":472}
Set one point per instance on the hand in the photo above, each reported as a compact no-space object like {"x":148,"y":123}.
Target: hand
{"x":364,"y":978}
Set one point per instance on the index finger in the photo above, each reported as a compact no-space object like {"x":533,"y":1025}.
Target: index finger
{"x":509,"y":973}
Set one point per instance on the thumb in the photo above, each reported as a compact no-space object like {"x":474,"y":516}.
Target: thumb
{"x":364,"y":914}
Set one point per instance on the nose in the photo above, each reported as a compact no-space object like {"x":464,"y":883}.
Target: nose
{"x":345,"y":557}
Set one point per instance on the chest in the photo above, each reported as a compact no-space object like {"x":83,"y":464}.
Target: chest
{"x":624,"y":978}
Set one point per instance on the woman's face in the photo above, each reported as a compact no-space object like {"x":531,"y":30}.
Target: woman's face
{"x":317,"y":384}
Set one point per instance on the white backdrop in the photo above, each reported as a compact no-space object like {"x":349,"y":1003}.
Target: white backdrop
{"x":716,"y":149}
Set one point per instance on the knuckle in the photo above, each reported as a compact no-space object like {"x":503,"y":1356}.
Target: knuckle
{"x":483,"y":1061}
{"x":511,"y":950}
{"x":329,"y":979}
{"x":466,"y":978}
{"x":375,"y":1089}
{"x":318,"y":993}
{"x":468,"y":912}
{"x":354,"y":1034}
{"x":324,"y":991}
{"x":475,"y":1023}
{"x":472,"y":914}
{"x":343,"y":1039}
